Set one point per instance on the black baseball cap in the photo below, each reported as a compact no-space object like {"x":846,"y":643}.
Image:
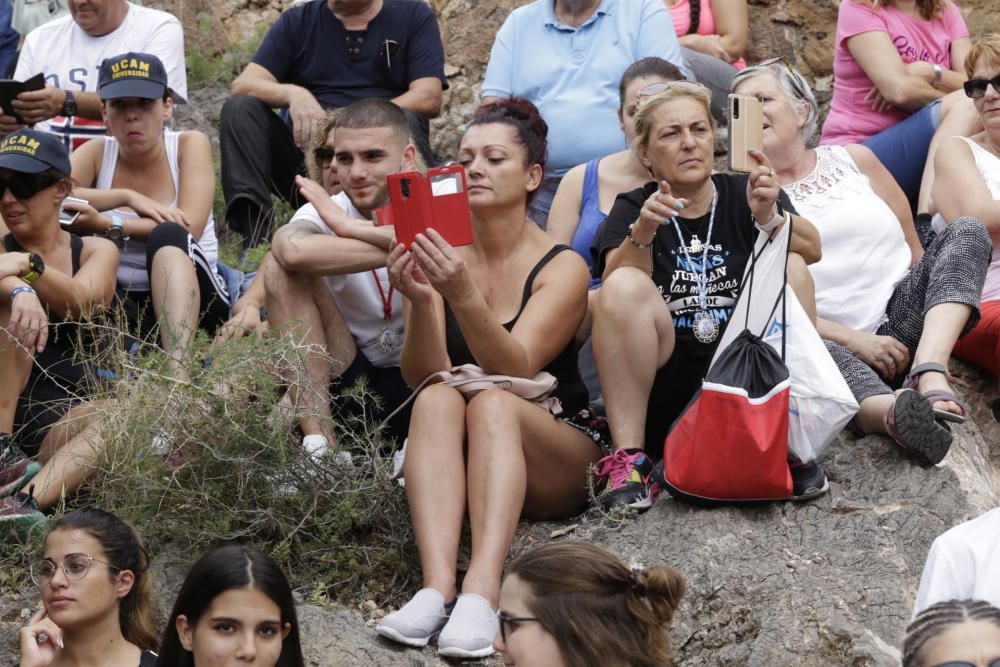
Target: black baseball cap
{"x":134,"y":74}
{"x":32,"y":152}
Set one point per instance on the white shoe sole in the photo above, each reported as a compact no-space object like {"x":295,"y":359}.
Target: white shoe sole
{"x":396,"y":636}
{"x":455,"y":652}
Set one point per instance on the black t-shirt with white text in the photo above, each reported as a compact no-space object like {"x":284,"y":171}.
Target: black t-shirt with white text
{"x":732,"y":242}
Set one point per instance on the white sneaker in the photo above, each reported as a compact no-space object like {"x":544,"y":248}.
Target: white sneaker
{"x":418,"y":621}
{"x":315,"y":445}
{"x":470,"y":631}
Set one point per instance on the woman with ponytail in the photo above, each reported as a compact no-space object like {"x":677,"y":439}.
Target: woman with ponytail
{"x":511,"y":304}
{"x":574,"y":603}
{"x":95,"y":585}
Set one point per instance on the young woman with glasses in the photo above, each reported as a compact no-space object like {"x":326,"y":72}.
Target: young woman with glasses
{"x":235,"y":607}
{"x":890,"y":312}
{"x":96,"y":591}
{"x":956,"y":633}
{"x":574,"y":603}
{"x":50,"y":280}
{"x":967,"y":182}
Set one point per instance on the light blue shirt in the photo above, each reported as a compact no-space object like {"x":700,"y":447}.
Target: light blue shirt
{"x":572,"y":74}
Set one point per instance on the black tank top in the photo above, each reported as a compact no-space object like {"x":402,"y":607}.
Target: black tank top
{"x":571,"y":391}
{"x":59,"y":356}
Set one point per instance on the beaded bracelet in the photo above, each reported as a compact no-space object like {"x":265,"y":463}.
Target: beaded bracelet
{"x":633,"y":241}
{"x":20,"y":290}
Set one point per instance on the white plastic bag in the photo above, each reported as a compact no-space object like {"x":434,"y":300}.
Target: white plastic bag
{"x":821,"y":403}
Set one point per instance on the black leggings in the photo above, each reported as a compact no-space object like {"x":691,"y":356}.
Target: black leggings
{"x":213,"y":311}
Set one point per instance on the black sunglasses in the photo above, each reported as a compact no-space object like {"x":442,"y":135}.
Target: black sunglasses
{"x":962,"y":663}
{"x":509,"y":624}
{"x":324,"y":156}
{"x":976,"y":88}
{"x":793,"y":75}
{"x":26,"y":186}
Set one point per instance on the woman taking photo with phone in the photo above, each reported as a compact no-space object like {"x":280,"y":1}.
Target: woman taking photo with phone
{"x":155,"y":189}
{"x":96,"y":593}
{"x":672,"y":256}
{"x":234,"y":607}
{"x":50,"y":280}
{"x":510,"y":303}
{"x":885,"y":323}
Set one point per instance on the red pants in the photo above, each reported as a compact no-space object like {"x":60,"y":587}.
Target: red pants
{"x":982,"y":345}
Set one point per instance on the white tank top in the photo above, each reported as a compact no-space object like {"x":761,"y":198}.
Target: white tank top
{"x":132,"y":273}
{"x":988,"y":165}
{"x":864,"y":251}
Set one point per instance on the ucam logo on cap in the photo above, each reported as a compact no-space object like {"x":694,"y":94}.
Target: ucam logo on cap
{"x":19,"y":143}
{"x":129,"y":67}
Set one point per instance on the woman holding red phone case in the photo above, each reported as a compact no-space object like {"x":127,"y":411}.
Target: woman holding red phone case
{"x":509,"y":303}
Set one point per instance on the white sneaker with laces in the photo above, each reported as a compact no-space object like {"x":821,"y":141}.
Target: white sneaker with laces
{"x":470,"y":631}
{"x":418,"y":621}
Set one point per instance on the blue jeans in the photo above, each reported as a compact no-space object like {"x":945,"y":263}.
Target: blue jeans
{"x":902,"y":148}
{"x":236,"y":281}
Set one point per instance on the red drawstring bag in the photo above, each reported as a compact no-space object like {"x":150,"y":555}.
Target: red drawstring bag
{"x":731,"y":441}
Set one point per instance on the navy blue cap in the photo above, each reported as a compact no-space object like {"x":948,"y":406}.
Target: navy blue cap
{"x":133,"y":74}
{"x":32,"y":152}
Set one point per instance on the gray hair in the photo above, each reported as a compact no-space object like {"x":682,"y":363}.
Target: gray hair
{"x":793,"y":84}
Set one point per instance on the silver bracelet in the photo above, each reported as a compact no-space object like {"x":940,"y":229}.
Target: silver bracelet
{"x":633,"y":241}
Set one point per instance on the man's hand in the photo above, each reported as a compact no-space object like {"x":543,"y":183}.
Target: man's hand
{"x":8,"y":123}
{"x":306,"y":115}
{"x":35,"y":106}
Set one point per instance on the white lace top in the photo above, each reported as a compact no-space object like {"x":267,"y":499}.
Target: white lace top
{"x":988,"y":165}
{"x":864,"y":251}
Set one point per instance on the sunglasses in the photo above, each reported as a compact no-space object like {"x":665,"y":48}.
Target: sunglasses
{"x":26,"y":186}
{"x":657,"y":88}
{"x":74,"y":566}
{"x":963,"y":663}
{"x":976,"y":88}
{"x":324,"y":156}
{"x":796,"y":78}
{"x":509,"y":624}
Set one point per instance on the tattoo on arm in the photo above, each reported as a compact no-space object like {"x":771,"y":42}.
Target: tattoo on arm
{"x":297,"y":231}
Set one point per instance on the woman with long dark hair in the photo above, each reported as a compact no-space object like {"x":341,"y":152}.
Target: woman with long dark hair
{"x":234,"y":605}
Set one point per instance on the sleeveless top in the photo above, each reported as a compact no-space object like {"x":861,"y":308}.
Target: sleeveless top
{"x":988,"y":165}
{"x":591,"y":216}
{"x":59,"y":356}
{"x":571,"y":391}
{"x":864,"y":251}
{"x":132,"y":273}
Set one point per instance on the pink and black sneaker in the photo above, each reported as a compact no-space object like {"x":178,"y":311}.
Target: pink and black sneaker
{"x":626,"y":475}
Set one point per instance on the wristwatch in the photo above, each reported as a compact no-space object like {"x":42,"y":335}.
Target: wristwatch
{"x":36,"y":267}
{"x":69,"y":106}
{"x":116,"y":230}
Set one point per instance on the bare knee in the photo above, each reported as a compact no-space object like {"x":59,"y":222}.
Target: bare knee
{"x":624,"y":290}
{"x":490,"y":407}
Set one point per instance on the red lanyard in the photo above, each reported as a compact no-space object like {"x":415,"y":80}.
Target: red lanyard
{"x":386,"y":300}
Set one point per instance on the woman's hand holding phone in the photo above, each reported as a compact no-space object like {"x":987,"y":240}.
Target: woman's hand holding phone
{"x":762,"y":188}
{"x":40,"y":640}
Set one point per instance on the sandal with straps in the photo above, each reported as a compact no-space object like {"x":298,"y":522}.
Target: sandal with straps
{"x":911,"y":424}
{"x":937,"y":395}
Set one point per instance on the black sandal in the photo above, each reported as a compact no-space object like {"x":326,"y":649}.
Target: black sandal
{"x":911,"y":424}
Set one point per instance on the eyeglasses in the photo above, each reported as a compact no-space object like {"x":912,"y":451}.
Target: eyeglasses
{"x":797,"y":81}
{"x":509,"y":624}
{"x":962,"y":663}
{"x":664,"y":86}
{"x":74,"y":566}
{"x":976,"y":88}
{"x":324,"y":156}
{"x":26,"y":186}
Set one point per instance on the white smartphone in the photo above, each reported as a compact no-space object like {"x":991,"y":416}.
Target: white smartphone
{"x":67,"y":217}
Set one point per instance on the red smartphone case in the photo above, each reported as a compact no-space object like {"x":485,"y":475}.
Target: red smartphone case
{"x":439,"y":200}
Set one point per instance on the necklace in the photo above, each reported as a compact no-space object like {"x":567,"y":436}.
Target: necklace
{"x":705,"y":328}
{"x":388,"y":339}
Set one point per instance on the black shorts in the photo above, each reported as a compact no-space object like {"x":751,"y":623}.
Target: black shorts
{"x":386,"y":383}
{"x":673,"y":388}
{"x":42,"y":403}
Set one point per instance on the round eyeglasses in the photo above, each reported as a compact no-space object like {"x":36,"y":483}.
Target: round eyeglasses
{"x":74,"y":566}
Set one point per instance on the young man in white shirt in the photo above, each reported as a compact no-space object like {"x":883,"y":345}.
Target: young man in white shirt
{"x":328,"y":284}
{"x":69,"y":52}
{"x":963,"y":564}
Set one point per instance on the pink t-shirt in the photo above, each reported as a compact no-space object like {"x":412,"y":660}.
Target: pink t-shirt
{"x":681,"y":14}
{"x":851,"y":118}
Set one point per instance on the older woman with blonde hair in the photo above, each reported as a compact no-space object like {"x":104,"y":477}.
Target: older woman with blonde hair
{"x":968,"y":183}
{"x":672,"y":255}
{"x":884,"y":322}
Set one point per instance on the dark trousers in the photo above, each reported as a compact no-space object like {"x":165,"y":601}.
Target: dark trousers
{"x":260,"y":159}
